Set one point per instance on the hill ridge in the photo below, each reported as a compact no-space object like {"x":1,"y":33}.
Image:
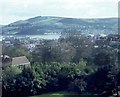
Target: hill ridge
{"x":48,"y":24}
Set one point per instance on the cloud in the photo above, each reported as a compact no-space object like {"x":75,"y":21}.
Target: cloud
{"x":14,"y":10}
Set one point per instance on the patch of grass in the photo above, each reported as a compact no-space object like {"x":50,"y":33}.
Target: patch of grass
{"x":50,"y":20}
{"x":64,"y":95}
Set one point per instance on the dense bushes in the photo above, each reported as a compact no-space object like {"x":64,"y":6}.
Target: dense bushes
{"x":46,"y":78}
{"x":52,"y":77}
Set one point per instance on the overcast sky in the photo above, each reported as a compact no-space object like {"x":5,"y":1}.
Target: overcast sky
{"x":13,"y":10}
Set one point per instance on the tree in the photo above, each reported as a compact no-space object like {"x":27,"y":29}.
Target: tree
{"x":102,"y":59}
{"x":104,"y":81}
{"x":78,"y":85}
{"x":10,"y":72}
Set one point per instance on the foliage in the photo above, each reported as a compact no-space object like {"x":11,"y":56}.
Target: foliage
{"x":45,"y":77}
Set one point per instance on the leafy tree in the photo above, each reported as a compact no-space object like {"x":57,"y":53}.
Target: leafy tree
{"x":78,"y":85}
{"x":102,"y":59}
{"x":103,"y":81}
{"x":9,"y":72}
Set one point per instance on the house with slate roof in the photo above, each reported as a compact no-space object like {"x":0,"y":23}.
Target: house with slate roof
{"x":21,"y":62}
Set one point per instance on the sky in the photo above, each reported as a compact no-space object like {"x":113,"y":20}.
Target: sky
{"x":14,"y":10}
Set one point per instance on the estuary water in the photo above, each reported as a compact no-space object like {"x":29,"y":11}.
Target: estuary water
{"x":46,"y":36}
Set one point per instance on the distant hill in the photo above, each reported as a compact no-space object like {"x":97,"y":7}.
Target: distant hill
{"x":45,"y":24}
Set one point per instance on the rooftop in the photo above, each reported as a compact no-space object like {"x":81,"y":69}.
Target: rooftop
{"x":22,"y":60}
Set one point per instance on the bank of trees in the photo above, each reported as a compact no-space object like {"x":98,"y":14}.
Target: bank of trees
{"x":53,"y":77}
{"x":43,"y":78}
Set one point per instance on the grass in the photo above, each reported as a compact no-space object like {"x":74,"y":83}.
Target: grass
{"x":50,"y":20}
{"x":64,"y":94}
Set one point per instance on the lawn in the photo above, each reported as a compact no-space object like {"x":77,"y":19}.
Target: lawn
{"x":64,"y":95}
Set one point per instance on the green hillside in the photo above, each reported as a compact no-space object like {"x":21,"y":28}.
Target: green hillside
{"x":45,"y":24}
